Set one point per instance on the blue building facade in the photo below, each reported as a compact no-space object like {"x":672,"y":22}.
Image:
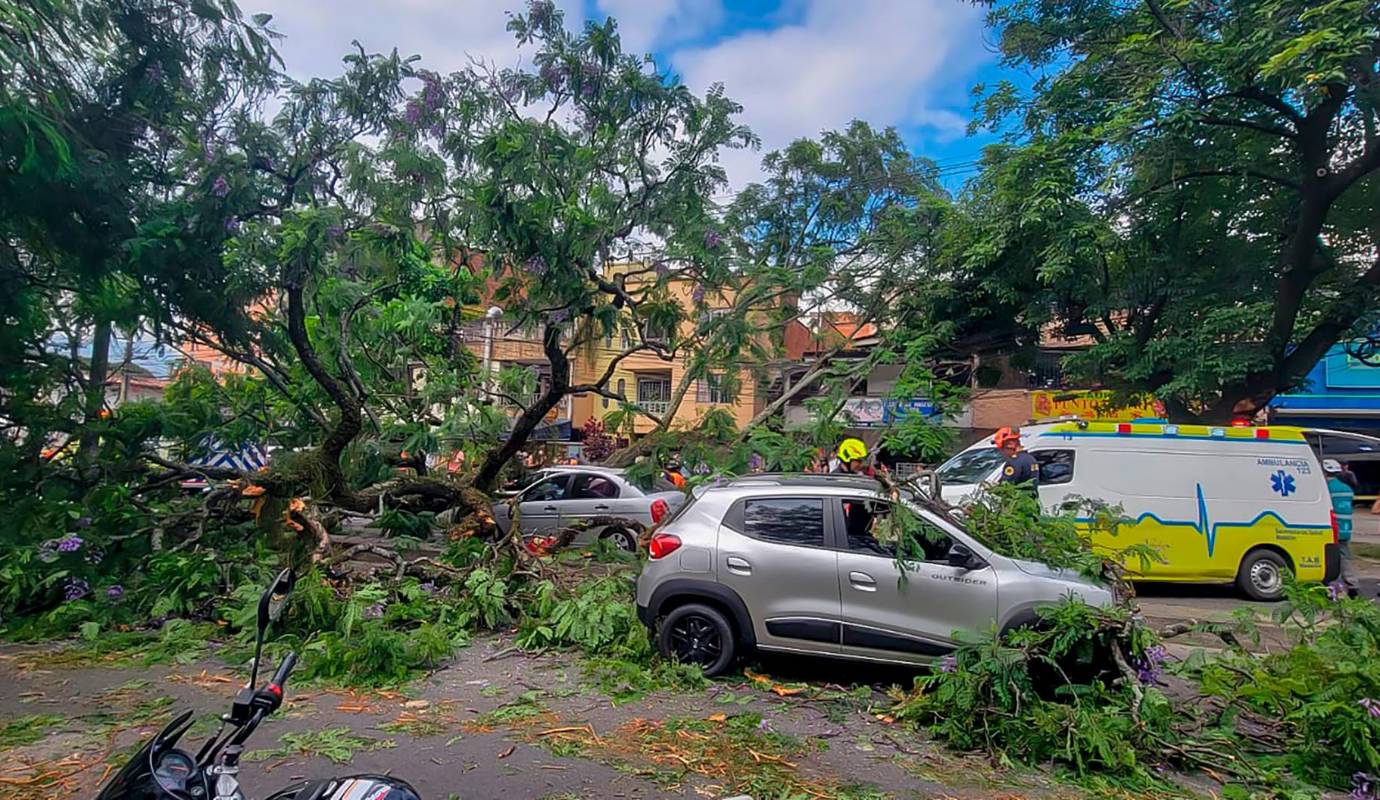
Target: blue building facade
{"x":1341,"y":393}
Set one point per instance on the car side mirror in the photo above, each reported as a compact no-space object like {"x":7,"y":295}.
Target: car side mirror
{"x":962,"y":556}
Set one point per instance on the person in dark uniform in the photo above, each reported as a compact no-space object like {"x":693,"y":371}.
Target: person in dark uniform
{"x":1019,"y":467}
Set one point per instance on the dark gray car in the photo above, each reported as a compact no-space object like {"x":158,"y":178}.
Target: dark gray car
{"x":562,"y":497}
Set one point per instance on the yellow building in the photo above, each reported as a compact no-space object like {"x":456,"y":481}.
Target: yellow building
{"x":645,"y":378}
{"x":650,"y":381}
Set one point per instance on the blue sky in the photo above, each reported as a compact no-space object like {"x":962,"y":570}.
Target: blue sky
{"x":797,"y":66}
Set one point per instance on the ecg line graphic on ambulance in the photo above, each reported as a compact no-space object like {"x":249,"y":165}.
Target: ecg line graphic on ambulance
{"x":1209,"y":529}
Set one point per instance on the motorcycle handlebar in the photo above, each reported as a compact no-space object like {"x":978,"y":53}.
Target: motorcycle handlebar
{"x":284,"y":670}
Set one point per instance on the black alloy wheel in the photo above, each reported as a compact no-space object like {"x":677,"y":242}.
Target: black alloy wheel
{"x":696,"y":634}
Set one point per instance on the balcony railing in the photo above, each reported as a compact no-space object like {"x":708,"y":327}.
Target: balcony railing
{"x":657,"y":407}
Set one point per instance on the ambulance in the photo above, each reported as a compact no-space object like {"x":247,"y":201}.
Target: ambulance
{"x":1219,"y":504}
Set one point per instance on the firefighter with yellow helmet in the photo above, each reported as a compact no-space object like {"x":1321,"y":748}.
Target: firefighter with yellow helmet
{"x":853,"y":458}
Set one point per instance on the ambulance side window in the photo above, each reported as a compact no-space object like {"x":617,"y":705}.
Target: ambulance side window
{"x":1056,"y":466}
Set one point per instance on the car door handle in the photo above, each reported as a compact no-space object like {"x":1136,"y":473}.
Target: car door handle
{"x":862,"y":581}
{"x":601,"y":507}
{"x":550,"y":508}
{"x":738,"y":565}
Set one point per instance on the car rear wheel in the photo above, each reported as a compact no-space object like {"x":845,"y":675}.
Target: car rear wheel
{"x":622,"y":538}
{"x":696,"y":634}
{"x":1262,"y":575}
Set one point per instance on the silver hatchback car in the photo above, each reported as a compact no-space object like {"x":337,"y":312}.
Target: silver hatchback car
{"x":790,"y":563}
{"x":561,"y":497}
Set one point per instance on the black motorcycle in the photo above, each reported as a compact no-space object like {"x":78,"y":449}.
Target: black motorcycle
{"x":160,"y":771}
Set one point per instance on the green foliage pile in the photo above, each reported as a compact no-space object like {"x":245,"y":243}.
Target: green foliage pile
{"x":1089,"y":690}
{"x":1045,"y":695}
{"x":1323,"y":689}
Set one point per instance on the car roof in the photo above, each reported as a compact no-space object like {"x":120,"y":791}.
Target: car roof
{"x":803,"y":481}
{"x":583,"y":468}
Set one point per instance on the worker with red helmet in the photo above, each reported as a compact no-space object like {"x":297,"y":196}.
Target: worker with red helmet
{"x":1020,"y":467}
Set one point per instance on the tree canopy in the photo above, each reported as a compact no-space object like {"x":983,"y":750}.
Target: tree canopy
{"x":1191,"y":185}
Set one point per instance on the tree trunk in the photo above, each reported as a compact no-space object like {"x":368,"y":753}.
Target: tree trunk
{"x":348,"y":426}
{"x":88,"y":445}
{"x":494,"y":462}
{"x":677,"y":397}
{"x":806,"y":381}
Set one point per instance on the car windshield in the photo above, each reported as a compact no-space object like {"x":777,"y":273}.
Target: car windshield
{"x":970,"y":466}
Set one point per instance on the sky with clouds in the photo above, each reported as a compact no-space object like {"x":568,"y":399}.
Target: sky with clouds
{"x":797,"y":66}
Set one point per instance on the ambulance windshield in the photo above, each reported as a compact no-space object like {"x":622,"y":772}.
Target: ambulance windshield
{"x":970,"y":466}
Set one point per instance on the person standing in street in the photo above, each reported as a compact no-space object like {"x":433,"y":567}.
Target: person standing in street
{"x":672,"y":472}
{"x":1343,"y":501}
{"x":1020,"y":467}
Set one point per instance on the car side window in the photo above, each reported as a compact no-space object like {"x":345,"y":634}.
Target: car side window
{"x":593,"y":487}
{"x":1056,"y":466}
{"x":872,"y":527}
{"x":553,"y":488}
{"x":797,"y":521}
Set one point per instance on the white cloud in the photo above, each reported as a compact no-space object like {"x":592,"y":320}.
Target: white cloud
{"x":885,"y":61}
{"x":446,"y":33}
{"x":643,"y":24}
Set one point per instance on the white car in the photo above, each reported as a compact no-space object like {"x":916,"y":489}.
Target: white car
{"x":561,"y":497}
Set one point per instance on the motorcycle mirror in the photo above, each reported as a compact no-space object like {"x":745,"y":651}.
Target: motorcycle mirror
{"x":271,"y":604}
{"x":274,"y":599}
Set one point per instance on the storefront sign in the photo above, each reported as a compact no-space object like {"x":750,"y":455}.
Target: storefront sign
{"x":877,"y":412}
{"x":1090,"y":405}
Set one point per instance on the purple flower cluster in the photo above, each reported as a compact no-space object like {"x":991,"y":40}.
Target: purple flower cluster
{"x":232,"y":224}
{"x":70,"y":544}
{"x":661,"y":268}
{"x":553,"y":75}
{"x":589,"y":79}
{"x":697,"y":294}
{"x":115,"y":591}
{"x":220,"y":187}
{"x":94,"y":555}
{"x":541,"y":13}
{"x":374,"y":612}
{"x":559,"y":315}
{"x":1336,"y":590}
{"x":1364,"y":787}
{"x":712,"y":239}
{"x":413,"y":113}
{"x":536,"y":265}
{"x":948,"y":664}
{"x":76,"y":589}
{"x":1150,"y":667}
{"x":433,"y":91}
{"x":428,"y":587}
{"x":1372,"y":708}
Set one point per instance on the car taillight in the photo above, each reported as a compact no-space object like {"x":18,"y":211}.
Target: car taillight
{"x":1336,"y":532}
{"x":658,"y":511}
{"x":663,"y":544}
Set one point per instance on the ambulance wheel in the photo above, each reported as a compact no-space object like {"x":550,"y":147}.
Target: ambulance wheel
{"x":1262,"y":575}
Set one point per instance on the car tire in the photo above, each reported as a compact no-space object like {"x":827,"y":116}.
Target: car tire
{"x":698,"y":634}
{"x":621,"y":538}
{"x":1262,"y":575}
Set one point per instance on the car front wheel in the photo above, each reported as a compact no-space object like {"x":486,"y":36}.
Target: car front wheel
{"x":697,"y":634}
